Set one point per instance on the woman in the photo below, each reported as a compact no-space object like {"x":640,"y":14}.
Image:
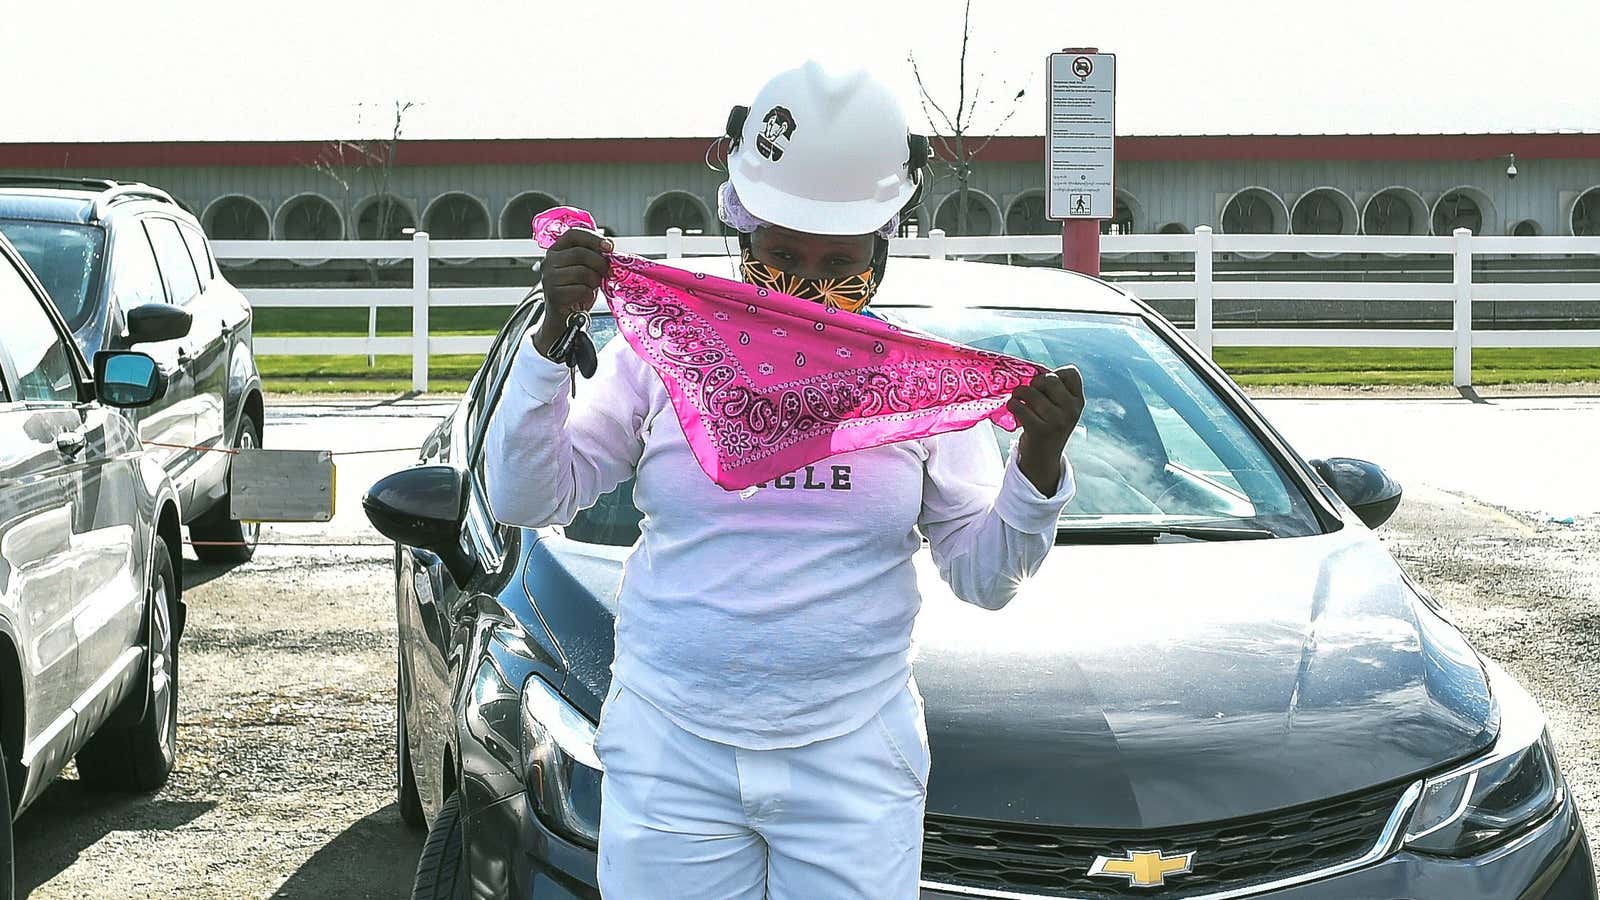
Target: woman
{"x":763,"y":736}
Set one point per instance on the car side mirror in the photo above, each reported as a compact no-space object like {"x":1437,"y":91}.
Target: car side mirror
{"x":155,"y":322}
{"x":423,"y":506}
{"x":127,"y":379}
{"x":1365,"y":487}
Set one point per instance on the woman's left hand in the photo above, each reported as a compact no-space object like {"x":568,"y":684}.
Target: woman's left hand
{"x":1048,"y":409}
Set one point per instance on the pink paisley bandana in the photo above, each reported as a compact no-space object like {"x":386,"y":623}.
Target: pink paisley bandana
{"x":765,"y":384}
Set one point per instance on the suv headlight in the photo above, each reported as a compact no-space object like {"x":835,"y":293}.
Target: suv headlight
{"x":1494,"y":798}
{"x":559,"y":765}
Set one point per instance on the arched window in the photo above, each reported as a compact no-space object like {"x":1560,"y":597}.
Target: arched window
{"x":1462,"y":207}
{"x":1324,"y":210}
{"x":1123,"y":216}
{"x":676,"y":209}
{"x":516,"y":220}
{"x":1395,"y":210}
{"x":310,"y":217}
{"x":911,"y":221}
{"x":1255,"y":210}
{"x":236,"y":218}
{"x":982,"y":215}
{"x":384,"y":217}
{"x":1026,"y":215}
{"x":1585,"y":219}
{"x":456,"y":217}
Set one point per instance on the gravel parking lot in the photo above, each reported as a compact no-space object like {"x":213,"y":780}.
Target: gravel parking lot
{"x":284,"y":779}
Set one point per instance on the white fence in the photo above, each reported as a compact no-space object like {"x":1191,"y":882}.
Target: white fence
{"x":1203,"y":288}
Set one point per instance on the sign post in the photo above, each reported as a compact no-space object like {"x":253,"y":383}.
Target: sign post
{"x":1080,"y":151}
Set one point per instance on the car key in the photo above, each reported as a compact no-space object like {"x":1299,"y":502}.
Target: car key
{"x":575,"y":348}
{"x":580,"y":358}
{"x":563,"y":344}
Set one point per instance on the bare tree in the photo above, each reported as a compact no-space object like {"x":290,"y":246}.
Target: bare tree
{"x":370,"y":163}
{"x":956,"y":146}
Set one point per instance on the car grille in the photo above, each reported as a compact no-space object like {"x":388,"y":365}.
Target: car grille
{"x":1230,"y":855}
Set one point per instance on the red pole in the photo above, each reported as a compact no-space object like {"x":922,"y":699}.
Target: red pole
{"x":1080,"y":238}
{"x":1080,"y":245}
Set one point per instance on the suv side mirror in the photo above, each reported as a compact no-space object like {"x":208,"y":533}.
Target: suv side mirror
{"x":423,"y":506}
{"x":127,"y":379}
{"x":1365,"y":487}
{"x":155,"y":322}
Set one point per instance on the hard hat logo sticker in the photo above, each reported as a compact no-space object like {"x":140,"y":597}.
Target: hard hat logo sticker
{"x":777,"y":126}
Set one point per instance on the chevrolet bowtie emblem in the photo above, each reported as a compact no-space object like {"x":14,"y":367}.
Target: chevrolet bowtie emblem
{"x":1143,"y":868}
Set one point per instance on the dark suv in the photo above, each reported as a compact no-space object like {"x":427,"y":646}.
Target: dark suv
{"x":120,"y":260}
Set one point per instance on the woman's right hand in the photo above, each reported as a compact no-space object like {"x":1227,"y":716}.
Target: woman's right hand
{"x":574,"y":267}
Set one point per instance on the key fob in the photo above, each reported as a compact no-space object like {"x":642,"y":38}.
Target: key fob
{"x":561,"y":350}
{"x":583,"y":354}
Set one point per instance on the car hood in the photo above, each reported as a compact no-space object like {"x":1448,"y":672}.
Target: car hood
{"x":1146,"y":686}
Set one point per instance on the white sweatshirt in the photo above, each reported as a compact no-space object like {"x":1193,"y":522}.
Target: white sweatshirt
{"x":782,"y":617}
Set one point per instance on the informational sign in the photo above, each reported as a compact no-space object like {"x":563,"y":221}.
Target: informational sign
{"x":1080,"y":135}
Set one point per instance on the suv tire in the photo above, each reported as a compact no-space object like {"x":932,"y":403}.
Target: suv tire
{"x":441,"y":872}
{"x":136,"y":748}
{"x":217,"y":536}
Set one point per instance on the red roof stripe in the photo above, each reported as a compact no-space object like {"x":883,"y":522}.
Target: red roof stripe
{"x":692,"y":150}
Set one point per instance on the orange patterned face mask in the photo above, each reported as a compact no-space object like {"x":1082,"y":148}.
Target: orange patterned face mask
{"x":849,"y":293}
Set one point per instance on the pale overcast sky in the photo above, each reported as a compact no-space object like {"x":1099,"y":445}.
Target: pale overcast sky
{"x":294,"y":69}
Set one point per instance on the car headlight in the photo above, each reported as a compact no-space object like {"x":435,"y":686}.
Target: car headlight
{"x":1496,"y":797}
{"x":559,"y":765}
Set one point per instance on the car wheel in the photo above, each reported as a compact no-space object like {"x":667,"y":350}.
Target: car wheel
{"x":217,"y":536}
{"x":405,"y":779}
{"x":7,"y":864}
{"x":136,"y":748}
{"x":441,"y":872}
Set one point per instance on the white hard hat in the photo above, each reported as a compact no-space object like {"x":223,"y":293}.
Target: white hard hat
{"x":823,"y":153}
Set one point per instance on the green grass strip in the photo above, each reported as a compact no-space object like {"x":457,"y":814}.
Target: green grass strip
{"x":1352,"y":366}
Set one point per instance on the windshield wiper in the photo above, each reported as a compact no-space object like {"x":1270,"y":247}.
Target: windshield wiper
{"x":1137,"y":534}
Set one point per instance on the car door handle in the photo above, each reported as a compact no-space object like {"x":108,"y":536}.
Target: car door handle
{"x":71,"y":443}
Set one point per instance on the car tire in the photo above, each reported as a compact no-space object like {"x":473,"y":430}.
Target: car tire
{"x":217,"y":536}
{"x":7,"y":854}
{"x":405,"y":778}
{"x":442,"y":870}
{"x":137,"y":746}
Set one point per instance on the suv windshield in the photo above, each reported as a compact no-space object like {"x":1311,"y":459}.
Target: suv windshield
{"x":1156,"y":447}
{"x":65,"y":257}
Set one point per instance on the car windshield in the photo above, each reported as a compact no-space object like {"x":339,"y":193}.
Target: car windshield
{"x":65,"y":257}
{"x":1156,"y":446}
{"x":1156,"y":449}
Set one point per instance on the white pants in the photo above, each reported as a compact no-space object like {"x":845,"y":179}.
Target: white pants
{"x":684,"y":817}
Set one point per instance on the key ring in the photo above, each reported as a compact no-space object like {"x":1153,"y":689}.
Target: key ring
{"x":577,"y":323}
